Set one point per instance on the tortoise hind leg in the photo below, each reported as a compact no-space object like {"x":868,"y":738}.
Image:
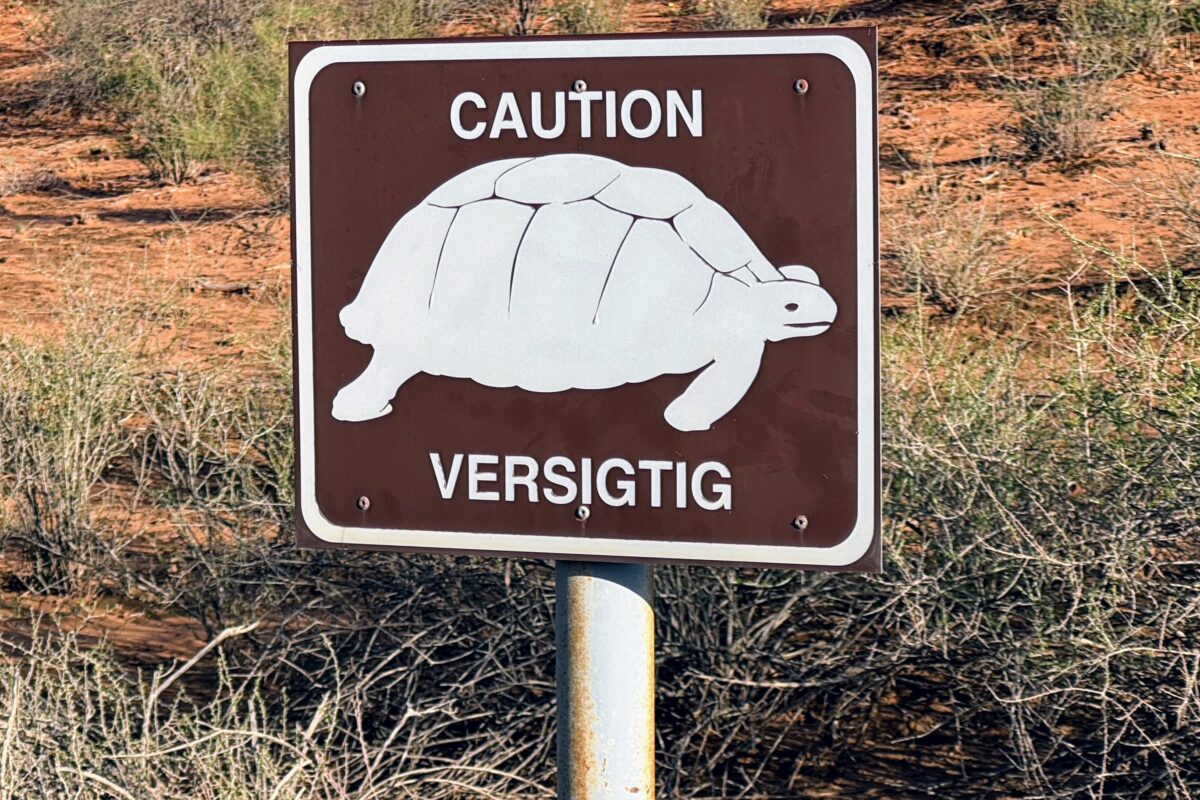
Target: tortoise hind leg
{"x":716,"y":390}
{"x":369,"y":395}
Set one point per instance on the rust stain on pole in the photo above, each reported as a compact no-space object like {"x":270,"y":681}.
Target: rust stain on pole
{"x":605,"y":681}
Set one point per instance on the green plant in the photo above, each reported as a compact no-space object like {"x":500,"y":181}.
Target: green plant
{"x":205,"y":81}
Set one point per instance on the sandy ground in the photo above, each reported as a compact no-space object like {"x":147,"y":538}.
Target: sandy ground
{"x":75,"y":207}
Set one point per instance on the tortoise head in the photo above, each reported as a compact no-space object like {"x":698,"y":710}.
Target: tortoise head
{"x":795,"y":306}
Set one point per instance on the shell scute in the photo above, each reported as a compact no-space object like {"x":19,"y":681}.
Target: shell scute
{"x":650,"y":193}
{"x":717,"y":237}
{"x":655,"y":278}
{"x":563,"y":178}
{"x":477,"y":183}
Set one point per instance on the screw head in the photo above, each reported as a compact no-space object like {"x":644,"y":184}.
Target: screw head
{"x":358,"y":89}
{"x":582,"y":513}
{"x":363,"y":503}
{"x":579,"y":86}
{"x":800,"y":522}
{"x":800,"y":86}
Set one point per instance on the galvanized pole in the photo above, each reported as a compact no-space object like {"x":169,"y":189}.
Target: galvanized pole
{"x":605,"y":636}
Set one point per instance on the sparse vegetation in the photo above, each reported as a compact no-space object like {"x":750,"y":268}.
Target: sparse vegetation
{"x":14,"y":180}
{"x":1112,"y":37}
{"x":737,"y":15}
{"x":949,"y":251}
{"x":588,"y":16}
{"x":1037,"y":611}
{"x":205,"y":81}
{"x":1059,"y":118}
{"x":1176,"y":196}
{"x":1034,"y":633}
{"x":62,"y":405}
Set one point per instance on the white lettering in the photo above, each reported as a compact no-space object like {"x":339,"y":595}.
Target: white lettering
{"x":585,"y":100}
{"x":724,"y":492}
{"x":563,"y":480}
{"x":512,"y":480}
{"x":475,"y":131}
{"x":656,"y":469}
{"x":446,"y":484}
{"x":511,"y":112}
{"x":651,"y":101}
{"x":476,"y":477}
{"x":693,"y":119}
{"x":560,"y":116}
{"x":508,"y":118}
{"x":627,"y":488}
{"x":681,"y":484}
{"x":585,"y":478}
{"x":551,"y":473}
{"x":610,"y":114}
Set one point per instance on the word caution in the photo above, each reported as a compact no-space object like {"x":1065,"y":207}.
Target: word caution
{"x":640,"y":114}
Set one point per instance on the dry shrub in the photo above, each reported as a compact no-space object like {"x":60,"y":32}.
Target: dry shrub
{"x":733,"y":15}
{"x":205,"y":81}
{"x":62,"y":403}
{"x":77,"y":726}
{"x":1112,"y":37}
{"x":588,"y":16}
{"x":15,"y":179}
{"x":1033,"y":634}
{"x":1060,"y":118}
{"x":1059,"y":108}
{"x":1176,"y":195}
{"x":217,"y":443}
{"x":949,"y":250}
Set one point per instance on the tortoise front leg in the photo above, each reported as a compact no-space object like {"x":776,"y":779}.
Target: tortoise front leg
{"x":716,"y":390}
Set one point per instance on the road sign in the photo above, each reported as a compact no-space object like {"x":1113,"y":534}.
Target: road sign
{"x":603,"y":298}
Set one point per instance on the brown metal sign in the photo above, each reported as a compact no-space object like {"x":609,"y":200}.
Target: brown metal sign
{"x":605,"y":298}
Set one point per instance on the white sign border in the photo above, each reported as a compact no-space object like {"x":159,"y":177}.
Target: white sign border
{"x":846,"y":552}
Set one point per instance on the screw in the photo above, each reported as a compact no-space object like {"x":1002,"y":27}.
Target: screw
{"x":358,"y":89}
{"x":363,"y":503}
{"x":582,"y":513}
{"x":800,"y":523}
{"x":579,"y":86}
{"x":800,"y":86}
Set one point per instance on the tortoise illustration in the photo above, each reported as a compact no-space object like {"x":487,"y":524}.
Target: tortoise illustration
{"x":574,"y":272}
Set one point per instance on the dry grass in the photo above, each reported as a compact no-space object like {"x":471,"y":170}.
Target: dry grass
{"x":587,"y":16}
{"x":1034,"y":629}
{"x":16,"y":180}
{"x":204,"y":82}
{"x":1060,"y":118}
{"x":1113,"y":37}
{"x":62,"y":407}
{"x":949,"y":251}
{"x":738,"y":15}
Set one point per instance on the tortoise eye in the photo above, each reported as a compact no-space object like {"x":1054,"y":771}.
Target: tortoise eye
{"x":792,"y":306}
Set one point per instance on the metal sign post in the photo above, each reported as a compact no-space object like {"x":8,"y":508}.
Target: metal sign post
{"x":604,"y":629}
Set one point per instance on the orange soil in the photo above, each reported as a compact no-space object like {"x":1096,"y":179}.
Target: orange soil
{"x":102,"y":218}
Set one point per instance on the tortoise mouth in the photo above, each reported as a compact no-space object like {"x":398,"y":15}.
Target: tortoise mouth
{"x":807,"y":324}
